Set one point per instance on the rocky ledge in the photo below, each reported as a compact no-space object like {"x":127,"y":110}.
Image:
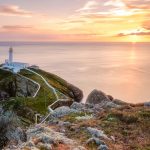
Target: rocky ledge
{"x":105,"y":124}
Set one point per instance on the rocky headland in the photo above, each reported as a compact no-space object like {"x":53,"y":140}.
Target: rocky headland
{"x":102,"y":123}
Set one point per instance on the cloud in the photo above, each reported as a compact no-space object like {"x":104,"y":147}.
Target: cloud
{"x":138,"y":4}
{"x":13,"y":10}
{"x":90,"y":5}
{"x":146,"y":25}
{"x":131,"y":4}
{"x":139,"y":33}
{"x":16,"y":27}
{"x":115,"y":3}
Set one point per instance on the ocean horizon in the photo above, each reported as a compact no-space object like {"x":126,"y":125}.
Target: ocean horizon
{"x":117,"y":68}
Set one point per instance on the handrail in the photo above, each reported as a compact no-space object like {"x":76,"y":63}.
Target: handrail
{"x":55,"y":93}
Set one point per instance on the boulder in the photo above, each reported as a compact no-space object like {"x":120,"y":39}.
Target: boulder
{"x":96,"y":97}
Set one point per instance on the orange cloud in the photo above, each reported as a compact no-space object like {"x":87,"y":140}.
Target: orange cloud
{"x":146,"y":25}
{"x":14,"y":10}
{"x":138,"y":4}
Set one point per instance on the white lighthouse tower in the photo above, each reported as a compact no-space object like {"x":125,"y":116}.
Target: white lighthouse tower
{"x":10,"y":55}
{"x":13,"y":66}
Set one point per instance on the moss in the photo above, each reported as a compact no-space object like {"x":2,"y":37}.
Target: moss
{"x":124,"y":117}
{"x":72,"y":116}
{"x":4,"y":74}
{"x":144,"y":114}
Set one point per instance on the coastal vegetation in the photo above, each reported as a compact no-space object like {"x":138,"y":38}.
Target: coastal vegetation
{"x":102,"y":123}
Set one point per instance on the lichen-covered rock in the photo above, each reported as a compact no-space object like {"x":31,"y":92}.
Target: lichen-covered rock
{"x":62,"y":111}
{"x":9,"y":129}
{"x":97,"y":133}
{"x":82,"y":107}
{"x":47,"y":138}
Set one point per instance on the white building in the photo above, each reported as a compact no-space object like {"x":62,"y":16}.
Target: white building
{"x":13,"y":66}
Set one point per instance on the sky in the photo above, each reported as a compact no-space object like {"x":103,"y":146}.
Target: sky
{"x":75,"y":20}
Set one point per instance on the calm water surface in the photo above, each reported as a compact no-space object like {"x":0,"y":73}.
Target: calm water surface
{"x":121,"y":70}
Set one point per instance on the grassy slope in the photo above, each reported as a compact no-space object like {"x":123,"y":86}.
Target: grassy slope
{"x":57,"y":82}
{"x":45,"y":96}
{"x":4,"y":74}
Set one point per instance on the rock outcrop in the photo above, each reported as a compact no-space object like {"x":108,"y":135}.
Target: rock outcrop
{"x":101,"y":100}
{"x":17,"y":86}
{"x":75,"y":93}
{"x":96,"y":97}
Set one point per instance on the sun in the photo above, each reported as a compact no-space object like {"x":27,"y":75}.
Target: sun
{"x":134,"y":38}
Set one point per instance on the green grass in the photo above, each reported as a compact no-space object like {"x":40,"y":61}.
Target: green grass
{"x":57,"y":82}
{"x":44,"y":98}
{"x":5,"y":74}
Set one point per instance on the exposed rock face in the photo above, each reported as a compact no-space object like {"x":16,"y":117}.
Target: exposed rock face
{"x":96,"y":97}
{"x":75,"y":93}
{"x":9,"y":129}
{"x":18,"y":86}
{"x":25,"y":87}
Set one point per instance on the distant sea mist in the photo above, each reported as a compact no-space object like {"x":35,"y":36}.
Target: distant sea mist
{"x":119,"y":69}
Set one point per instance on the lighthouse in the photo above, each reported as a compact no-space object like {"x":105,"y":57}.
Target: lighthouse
{"x":12,"y":65}
{"x":10,"y":55}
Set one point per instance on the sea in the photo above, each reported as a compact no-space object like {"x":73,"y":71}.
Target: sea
{"x":118,"y":69}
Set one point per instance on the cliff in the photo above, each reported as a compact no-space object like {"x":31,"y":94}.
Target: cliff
{"x":22,"y":87}
{"x":26,"y":94}
{"x":102,"y":123}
